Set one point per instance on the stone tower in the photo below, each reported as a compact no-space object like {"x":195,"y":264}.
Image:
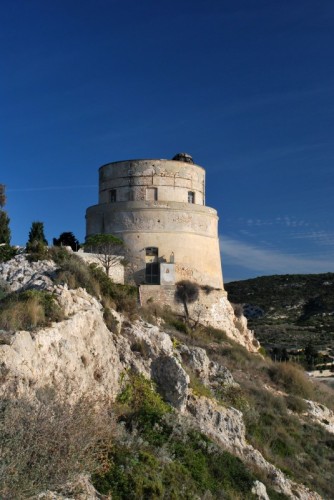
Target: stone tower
{"x":157,"y":207}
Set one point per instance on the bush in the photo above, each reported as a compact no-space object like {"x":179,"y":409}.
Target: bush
{"x":292,"y":379}
{"x":37,"y":250}
{"x":6,"y":253}
{"x":145,"y":404}
{"x":28,"y":310}
{"x":74,"y":272}
{"x":296,"y":404}
{"x":46,"y":444}
{"x":125,"y":297}
{"x":164,"y":458}
{"x":199,"y":389}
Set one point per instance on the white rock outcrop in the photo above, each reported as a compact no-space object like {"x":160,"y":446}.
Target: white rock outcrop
{"x":20,"y":274}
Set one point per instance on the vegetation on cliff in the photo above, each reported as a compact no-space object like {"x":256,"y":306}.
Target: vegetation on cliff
{"x":296,"y":308}
{"x":139,"y":446}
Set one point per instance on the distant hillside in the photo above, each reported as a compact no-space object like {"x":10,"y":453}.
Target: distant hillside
{"x":288,"y":310}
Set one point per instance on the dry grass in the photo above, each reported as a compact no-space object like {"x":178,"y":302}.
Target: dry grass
{"x":44,"y":445}
{"x":28,"y":310}
{"x":292,"y":379}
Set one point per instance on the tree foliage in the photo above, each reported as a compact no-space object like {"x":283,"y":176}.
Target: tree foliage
{"x":4,"y":228}
{"x":67,"y":239}
{"x":2,"y":196}
{"x":107,"y":247}
{"x":186,"y":293}
{"x":36,"y":234}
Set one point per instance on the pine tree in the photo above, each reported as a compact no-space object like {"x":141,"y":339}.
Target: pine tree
{"x":36,"y":234}
{"x":4,"y":228}
{"x":68,"y":240}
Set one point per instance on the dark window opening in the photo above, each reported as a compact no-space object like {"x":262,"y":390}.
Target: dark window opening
{"x":152,"y":273}
{"x":113,"y":196}
{"x":152,"y":251}
{"x":191,"y":197}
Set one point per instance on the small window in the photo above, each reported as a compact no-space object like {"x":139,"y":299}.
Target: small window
{"x":151,"y":194}
{"x":152,"y":251}
{"x":113,"y":196}
{"x":191,"y":197}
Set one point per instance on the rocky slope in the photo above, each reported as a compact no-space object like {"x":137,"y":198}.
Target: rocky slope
{"x":80,"y":356}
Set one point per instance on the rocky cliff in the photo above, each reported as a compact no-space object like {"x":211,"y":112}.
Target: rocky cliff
{"x":80,"y":356}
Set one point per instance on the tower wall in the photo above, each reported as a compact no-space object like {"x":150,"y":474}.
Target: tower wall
{"x":160,"y":203}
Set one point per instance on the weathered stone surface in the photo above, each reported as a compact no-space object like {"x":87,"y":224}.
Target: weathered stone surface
{"x":172,"y":380}
{"x":211,"y":309}
{"x":76,"y":356}
{"x":19,"y":274}
{"x":260,"y":491}
{"x":321,"y":415}
{"x":210,"y":373}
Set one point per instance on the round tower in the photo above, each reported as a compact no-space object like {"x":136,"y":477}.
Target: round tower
{"x":157,"y":207}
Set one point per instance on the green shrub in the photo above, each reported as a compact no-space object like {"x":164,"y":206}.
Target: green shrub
{"x":4,"y":289}
{"x":146,"y":407}
{"x":140,"y":474}
{"x":233,"y":396}
{"x":125,"y":297}
{"x":179,"y":325}
{"x":7,"y":252}
{"x":197,"y":385}
{"x":36,"y":251}
{"x":74,"y":272}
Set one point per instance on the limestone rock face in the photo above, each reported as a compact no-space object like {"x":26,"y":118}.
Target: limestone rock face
{"x":74,"y":357}
{"x":172,"y":380}
{"x":211,"y":373}
{"x":212,"y":309}
{"x":321,"y":415}
{"x":19,"y":274}
{"x":260,"y":491}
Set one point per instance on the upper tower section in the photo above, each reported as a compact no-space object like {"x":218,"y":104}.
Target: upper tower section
{"x":177,"y":180}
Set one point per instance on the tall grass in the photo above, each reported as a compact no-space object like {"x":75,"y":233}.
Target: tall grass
{"x":28,"y":310}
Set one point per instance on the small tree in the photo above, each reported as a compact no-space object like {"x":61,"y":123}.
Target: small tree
{"x":37,"y":244}
{"x":4,"y":228}
{"x":186,"y":293}
{"x":36,"y":233}
{"x":107,"y":247}
{"x":67,"y":240}
{"x":311,"y":354}
{"x":2,"y":195}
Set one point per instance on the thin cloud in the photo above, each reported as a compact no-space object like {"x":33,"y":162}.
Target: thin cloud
{"x":50,"y":188}
{"x":320,"y":237}
{"x":285,"y":221}
{"x":268,"y":261}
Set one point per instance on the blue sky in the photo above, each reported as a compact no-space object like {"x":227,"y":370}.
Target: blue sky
{"x":245,"y":86}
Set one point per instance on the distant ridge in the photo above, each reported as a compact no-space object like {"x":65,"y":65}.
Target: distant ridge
{"x":296,"y":308}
